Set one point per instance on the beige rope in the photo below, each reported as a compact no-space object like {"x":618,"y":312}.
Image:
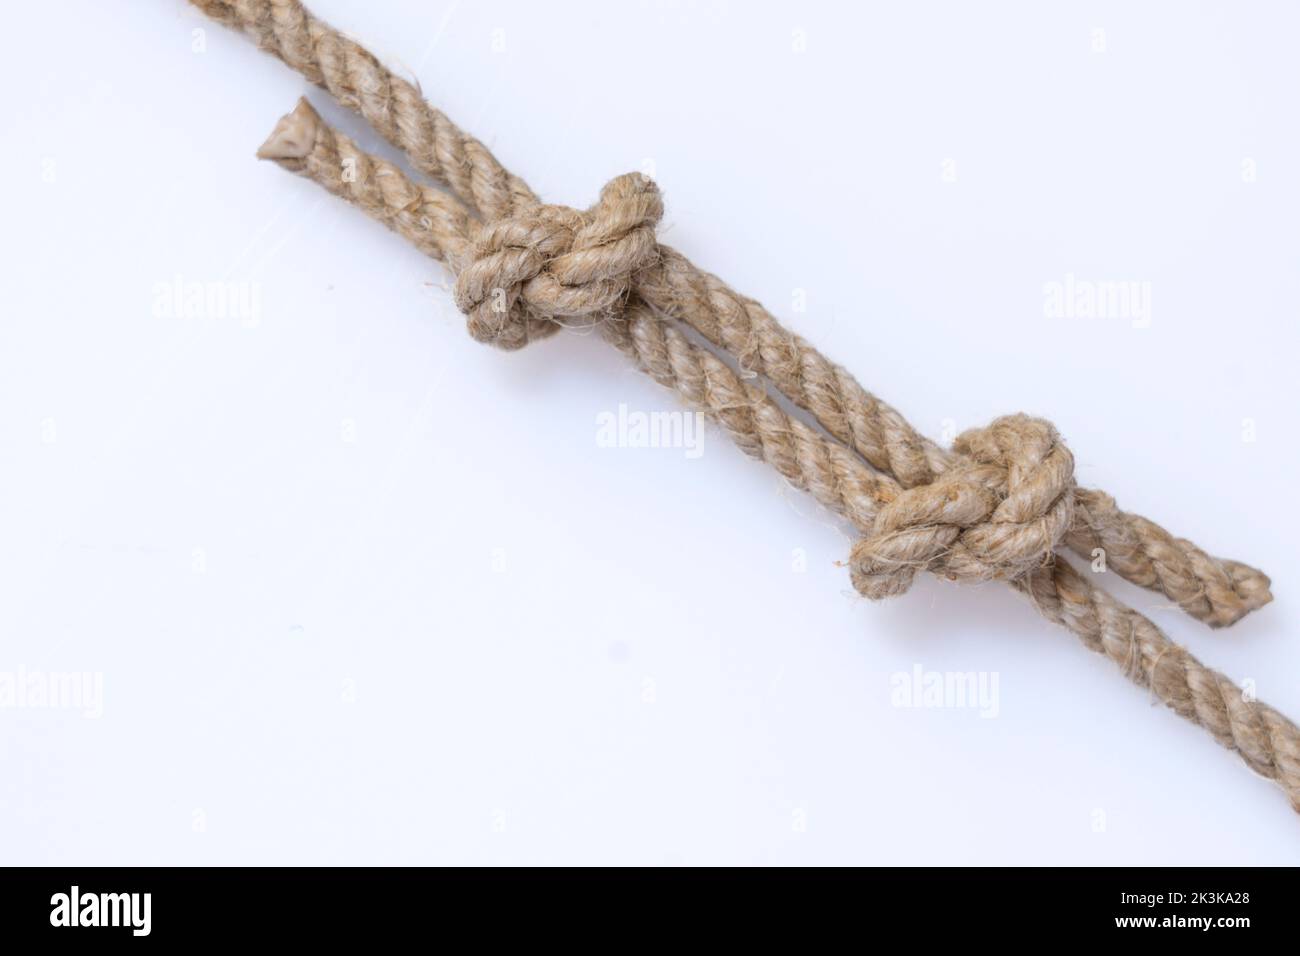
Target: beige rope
{"x":997,"y":506}
{"x":1213,"y":590}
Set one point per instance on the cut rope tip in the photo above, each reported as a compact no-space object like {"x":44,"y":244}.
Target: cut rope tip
{"x":294,"y":135}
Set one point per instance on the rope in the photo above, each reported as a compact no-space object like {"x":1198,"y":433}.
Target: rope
{"x":998,"y":506}
{"x":1218,"y":592}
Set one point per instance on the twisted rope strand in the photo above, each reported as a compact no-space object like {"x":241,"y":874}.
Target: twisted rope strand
{"x":1266,"y":740}
{"x":1216,"y":591}
{"x":392,"y":105}
{"x":811,"y":462}
{"x":437,"y":224}
{"x":997,"y":506}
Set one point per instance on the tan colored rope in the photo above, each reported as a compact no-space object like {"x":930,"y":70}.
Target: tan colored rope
{"x":392,"y":105}
{"x":997,"y":506}
{"x":1216,"y":591}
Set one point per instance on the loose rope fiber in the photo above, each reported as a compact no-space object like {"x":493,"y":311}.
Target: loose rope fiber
{"x":999,"y":505}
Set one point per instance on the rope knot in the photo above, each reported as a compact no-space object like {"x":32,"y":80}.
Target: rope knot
{"x":546,"y":263}
{"x":998,"y":514}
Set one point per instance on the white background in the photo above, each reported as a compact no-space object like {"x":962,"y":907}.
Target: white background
{"x":363,"y":590}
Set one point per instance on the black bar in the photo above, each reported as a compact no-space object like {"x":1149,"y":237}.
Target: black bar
{"x":626,"y":907}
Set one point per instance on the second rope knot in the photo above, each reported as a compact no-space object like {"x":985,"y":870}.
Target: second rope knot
{"x":999,"y":514}
{"x":551,"y":263}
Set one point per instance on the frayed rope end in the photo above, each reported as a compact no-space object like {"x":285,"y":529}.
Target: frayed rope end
{"x":294,"y":136}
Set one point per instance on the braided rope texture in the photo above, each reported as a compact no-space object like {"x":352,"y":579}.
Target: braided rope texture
{"x":998,"y":506}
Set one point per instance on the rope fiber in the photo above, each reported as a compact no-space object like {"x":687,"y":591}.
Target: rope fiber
{"x":1001,"y":504}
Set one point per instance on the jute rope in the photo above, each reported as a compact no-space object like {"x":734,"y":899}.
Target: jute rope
{"x":999,"y":505}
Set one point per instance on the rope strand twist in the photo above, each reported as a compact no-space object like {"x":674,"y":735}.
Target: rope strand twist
{"x":1000,"y":505}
